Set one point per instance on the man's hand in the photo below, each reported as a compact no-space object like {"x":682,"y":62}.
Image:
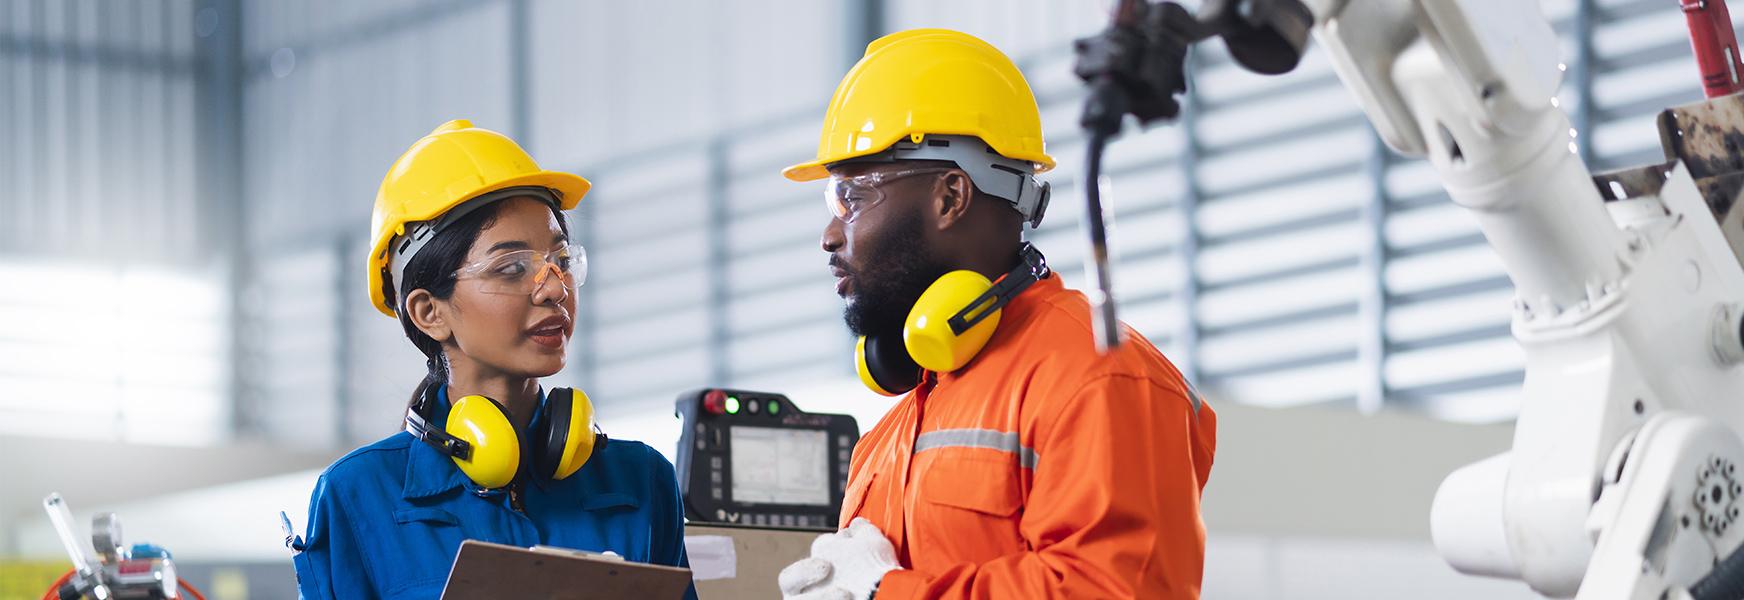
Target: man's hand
{"x":845,"y":565}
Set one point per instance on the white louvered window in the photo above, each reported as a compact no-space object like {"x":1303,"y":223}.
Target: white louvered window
{"x":104,"y":353}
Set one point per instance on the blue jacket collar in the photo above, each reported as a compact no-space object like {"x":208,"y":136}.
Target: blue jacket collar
{"x":429,"y":473}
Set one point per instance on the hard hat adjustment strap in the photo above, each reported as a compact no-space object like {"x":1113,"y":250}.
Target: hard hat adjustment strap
{"x":402,"y":248}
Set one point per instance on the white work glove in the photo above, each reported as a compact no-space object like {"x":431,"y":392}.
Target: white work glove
{"x":845,"y":565}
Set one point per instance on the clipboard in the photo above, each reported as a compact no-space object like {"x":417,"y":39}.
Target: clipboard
{"x":483,"y":570}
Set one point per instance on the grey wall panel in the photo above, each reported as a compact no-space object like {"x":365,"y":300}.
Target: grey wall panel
{"x":322,"y":136}
{"x":617,"y":77}
{"x":818,"y":342}
{"x":655,"y":335}
{"x":794,"y":228}
{"x":297,"y":381}
{"x":97,"y":156}
{"x":791,"y":307}
{"x":660,"y":292}
{"x":640,"y":260}
{"x":1020,"y":29}
{"x":639,"y":385}
{"x":787,"y":268}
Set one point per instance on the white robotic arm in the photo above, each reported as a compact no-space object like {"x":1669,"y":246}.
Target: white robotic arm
{"x":1621,"y":481}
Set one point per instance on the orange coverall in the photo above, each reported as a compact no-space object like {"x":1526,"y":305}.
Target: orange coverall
{"x":1041,"y":469}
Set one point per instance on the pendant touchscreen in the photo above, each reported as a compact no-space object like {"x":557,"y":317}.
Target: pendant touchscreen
{"x":753,"y":458}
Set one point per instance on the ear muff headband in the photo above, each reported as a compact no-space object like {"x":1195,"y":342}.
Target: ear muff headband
{"x":947,"y":327}
{"x":420,"y":428}
{"x":496,"y":449}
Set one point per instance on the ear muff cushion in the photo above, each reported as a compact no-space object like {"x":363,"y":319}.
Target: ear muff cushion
{"x":579,"y":442}
{"x":884,"y":365}
{"x":928,"y":335}
{"x":862,"y":367}
{"x":496,"y":449}
{"x":552,"y":433}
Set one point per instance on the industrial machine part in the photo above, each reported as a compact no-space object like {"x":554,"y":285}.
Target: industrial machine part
{"x":113,"y":570}
{"x":753,"y":458}
{"x":1620,"y":483}
{"x":1715,"y":45}
{"x":1137,"y":66}
{"x":1624,"y":479}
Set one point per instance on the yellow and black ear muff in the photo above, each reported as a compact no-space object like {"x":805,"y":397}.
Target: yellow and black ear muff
{"x":478,"y":437}
{"x":484,"y":425}
{"x":570,"y":437}
{"x":947,"y":327}
{"x":483,"y":442}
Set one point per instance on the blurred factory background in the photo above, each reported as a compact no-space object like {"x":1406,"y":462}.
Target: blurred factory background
{"x":185,"y":188}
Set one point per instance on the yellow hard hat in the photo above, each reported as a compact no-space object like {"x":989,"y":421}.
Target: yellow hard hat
{"x":455,"y":163}
{"x":928,"y":81}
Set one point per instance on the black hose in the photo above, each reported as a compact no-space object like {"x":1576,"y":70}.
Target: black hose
{"x":1104,"y":317}
{"x":1093,"y":190}
{"x":1725,"y":582}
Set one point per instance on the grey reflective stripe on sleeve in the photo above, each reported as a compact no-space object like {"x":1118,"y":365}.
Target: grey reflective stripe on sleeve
{"x":1193,"y":395}
{"x":977,"y":438}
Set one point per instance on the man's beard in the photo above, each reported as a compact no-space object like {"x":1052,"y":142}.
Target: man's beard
{"x":897,"y":271}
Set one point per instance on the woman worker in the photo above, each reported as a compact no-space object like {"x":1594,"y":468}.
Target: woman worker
{"x":473,"y":256}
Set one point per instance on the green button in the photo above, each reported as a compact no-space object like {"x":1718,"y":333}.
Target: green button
{"x":774,"y":406}
{"x":732,"y":405}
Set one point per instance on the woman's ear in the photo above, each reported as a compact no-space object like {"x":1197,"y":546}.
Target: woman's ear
{"x":429,"y":315}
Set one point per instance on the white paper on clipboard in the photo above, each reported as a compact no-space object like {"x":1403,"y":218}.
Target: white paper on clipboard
{"x":711,"y":557}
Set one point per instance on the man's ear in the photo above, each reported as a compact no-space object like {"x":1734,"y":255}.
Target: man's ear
{"x":429,"y":315}
{"x":951,"y":198}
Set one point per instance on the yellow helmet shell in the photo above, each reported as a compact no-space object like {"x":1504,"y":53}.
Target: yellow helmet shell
{"x":928,"y":335}
{"x":925,"y":81}
{"x":496,"y":449}
{"x":452,"y":165}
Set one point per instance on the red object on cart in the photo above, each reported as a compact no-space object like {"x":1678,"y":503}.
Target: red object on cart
{"x":1715,"y":45}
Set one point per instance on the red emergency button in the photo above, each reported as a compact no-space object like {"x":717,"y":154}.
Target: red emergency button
{"x":715,"y":401}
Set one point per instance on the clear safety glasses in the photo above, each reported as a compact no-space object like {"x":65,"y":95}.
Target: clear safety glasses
{"x":523,"y":271}
{"x":850,"y":197}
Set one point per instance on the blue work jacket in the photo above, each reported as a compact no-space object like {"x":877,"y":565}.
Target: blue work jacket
{"x":386,"y":520}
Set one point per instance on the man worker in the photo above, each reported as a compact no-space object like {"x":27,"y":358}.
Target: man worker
{"x":1030,"y":466}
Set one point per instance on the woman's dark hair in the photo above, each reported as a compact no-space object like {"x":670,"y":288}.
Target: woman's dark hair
{"x":432,"y":269}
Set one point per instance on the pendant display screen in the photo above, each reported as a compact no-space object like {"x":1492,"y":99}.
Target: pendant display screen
{"x":780,"y":466}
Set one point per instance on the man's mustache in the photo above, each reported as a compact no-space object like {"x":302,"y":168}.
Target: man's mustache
{"x":838,"y":263}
